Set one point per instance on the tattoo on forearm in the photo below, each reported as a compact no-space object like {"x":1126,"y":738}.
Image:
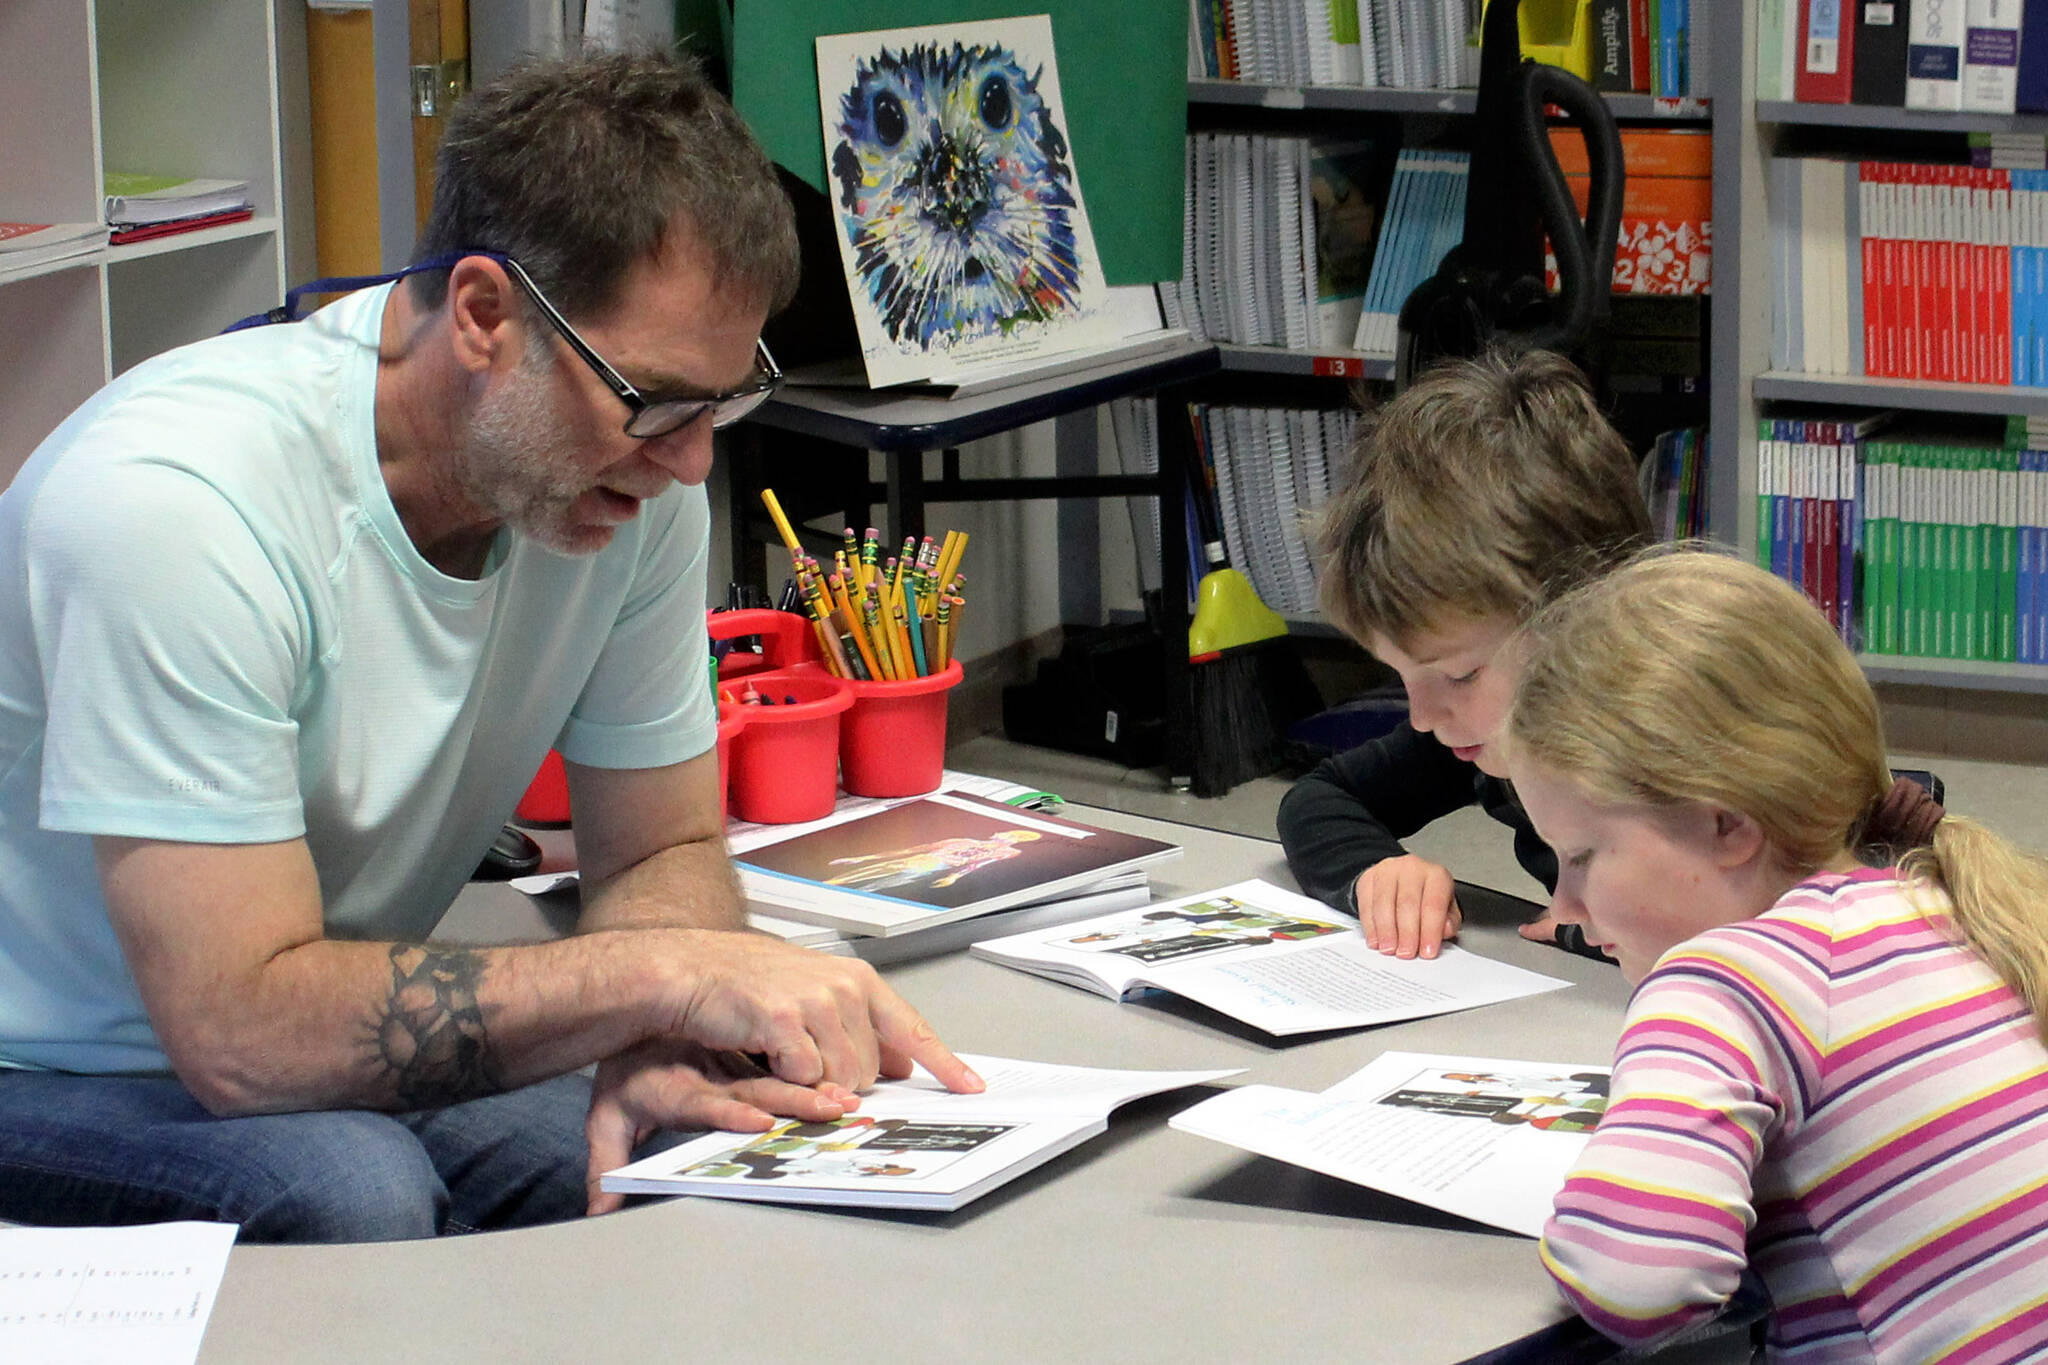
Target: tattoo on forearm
{"x":429,"y":1036}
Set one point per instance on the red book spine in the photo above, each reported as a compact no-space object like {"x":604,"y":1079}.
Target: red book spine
{"x":2001,"y":277}
{"x":1873,"y":292}
{"x":1906,"y":270}
{"x":1639,"y":44}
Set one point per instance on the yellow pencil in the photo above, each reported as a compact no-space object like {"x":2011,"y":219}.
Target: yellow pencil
{"x":781,"y":522}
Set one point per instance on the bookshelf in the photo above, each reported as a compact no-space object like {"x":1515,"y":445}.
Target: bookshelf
{"x":85,"y":85}
{"x":1747,"y":388}
{"x":1276,"y":376}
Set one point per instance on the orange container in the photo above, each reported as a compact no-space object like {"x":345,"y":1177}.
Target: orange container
{"x":893,"y":741}
{"x":785,"y":758}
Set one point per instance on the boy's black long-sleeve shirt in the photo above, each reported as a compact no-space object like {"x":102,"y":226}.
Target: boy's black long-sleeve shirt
{"x":1354,"y":809}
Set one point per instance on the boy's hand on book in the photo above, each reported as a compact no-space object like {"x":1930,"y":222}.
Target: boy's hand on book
{"x":666,"y":1084}
{"x":817,"y":1019}
{"x":1407,"y":906}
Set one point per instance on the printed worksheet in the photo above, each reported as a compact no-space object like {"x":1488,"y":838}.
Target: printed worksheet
{"x":1487,"y":1140}
{"x":109,"y":1296}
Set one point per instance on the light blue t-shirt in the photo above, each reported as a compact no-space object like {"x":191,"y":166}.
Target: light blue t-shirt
{"x":214,"y":629}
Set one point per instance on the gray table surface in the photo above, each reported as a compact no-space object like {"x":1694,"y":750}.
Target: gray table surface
{"x":1143,"y":1245}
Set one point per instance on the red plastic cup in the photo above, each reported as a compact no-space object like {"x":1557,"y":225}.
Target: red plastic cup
{"x":785,"y":758}
{"x":893,"y":741}
{"x":731,"y":720}
{"x":547,"y":797}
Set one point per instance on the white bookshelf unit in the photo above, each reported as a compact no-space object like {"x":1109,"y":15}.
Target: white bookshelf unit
{"x":189,"y":89}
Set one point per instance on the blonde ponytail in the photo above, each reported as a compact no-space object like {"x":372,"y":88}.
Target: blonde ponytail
{"x":1997,"y":898}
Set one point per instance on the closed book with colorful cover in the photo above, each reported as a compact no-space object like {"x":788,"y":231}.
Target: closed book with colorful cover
{"x":931,"y":861}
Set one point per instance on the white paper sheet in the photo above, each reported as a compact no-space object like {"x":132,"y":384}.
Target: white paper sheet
{"x":109,"y":1296}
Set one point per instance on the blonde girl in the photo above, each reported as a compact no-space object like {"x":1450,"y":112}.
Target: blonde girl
{"x":1832,"y":1069}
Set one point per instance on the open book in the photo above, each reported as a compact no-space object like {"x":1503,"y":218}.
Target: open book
{"x":1487,"y":1140}
{"x":912,"y":1144}
{"x":1276,"y":960}
{"x":931,"y":861}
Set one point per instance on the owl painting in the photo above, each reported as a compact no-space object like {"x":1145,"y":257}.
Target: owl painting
{"x":955,"y":191}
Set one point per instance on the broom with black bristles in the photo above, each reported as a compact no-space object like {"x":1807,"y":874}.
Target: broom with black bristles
{"x":1247,"y":683}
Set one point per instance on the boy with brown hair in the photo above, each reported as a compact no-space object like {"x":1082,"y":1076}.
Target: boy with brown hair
{"x":1469,"y":502}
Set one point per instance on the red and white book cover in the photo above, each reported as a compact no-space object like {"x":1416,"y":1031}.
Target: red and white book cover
{"x":1905,"y":307}
{"x":1829,"y":560}
{"x":2001,"y":225}
{"x":1868,"y":250}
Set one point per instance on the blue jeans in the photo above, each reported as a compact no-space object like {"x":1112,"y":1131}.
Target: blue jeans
{"x":109,"y":1150}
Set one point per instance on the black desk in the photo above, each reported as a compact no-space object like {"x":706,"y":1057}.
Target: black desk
{"x":838,"y":426}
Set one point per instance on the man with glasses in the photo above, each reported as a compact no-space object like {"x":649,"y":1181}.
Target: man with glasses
{"x":291,"y":615}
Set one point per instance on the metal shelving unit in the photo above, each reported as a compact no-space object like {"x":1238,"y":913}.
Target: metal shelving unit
{"x":1392,"y":100}
{"x":1742,"y":351}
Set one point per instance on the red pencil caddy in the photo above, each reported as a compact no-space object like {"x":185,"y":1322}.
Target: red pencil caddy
{"x":785,"y":758}
{"x":786,"y":639}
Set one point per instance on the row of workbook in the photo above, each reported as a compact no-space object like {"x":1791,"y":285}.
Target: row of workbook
{"x":1982,"y":56}
{"x":1928,"y":546}
{"x":1910,"y":271}
{"x":1618,"y":45}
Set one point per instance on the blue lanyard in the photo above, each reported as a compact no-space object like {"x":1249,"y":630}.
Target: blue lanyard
{"x":347,"y":284}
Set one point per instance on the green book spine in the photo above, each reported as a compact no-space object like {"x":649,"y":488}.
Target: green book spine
{"x":1913,"y":546}
{"x":1924,"y":565}
{"x":1888,"y":550}
{"x":2008,"y":554}
{"x":1949,"y":632}
{"x":1987,"y":553}
{"x":1766,"y":455}
{"x":1969,"y":555}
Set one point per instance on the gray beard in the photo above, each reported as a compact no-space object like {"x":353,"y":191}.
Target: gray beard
{"x":519,"y":466}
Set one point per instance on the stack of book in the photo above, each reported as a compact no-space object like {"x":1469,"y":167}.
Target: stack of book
{"x":1666,"y":242}
{"x":1426,"y":44}
{"x":1929,"y":545}
{"x":1270,"y":467}
{"x":1277,"y":236}
{"x":1674,"y":476}
{"x":1909,"y":271}
{"x":29,"y":246}
{"x":1986,"y":56}
{"x":1620,"y":45}
{"x":1646,"y":46}
{"x":140,"y":207}
{"x":1425,"y":218}
{"x":918,"y":871}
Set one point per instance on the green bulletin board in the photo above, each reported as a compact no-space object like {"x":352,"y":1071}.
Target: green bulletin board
{"x":1123,"y":71}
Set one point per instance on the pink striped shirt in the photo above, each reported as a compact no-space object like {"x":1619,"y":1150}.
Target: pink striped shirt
{"x":1843,"y":1096}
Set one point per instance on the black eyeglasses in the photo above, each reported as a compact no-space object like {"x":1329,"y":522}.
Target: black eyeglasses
{"x":647,"y":417}
{"x":660,"y":416}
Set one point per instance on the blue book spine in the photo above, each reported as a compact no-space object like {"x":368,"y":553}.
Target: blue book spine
{"x":2032,"y":96}
{"x":2020,"y":341}
{"x":1780,"y":539}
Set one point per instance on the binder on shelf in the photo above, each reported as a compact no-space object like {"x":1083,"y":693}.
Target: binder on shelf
{"x":1991,"y":55}
{"x":2030,"y":94}
{"x":1879,"y":75}
{"x":1934,"y":56}
{"x":1826,"y":53}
